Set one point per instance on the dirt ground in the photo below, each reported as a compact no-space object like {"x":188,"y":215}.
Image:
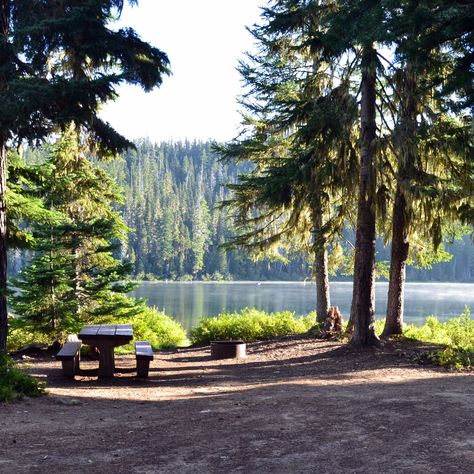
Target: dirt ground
{"x":292,"y":406}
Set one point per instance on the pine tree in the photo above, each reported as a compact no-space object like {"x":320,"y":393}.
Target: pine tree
{"x":74,"y":278}
{"x":299,"y":135}
{"x":44,"y":291}
{"x":199,"y":236}
{"x":431,"y":187}
{"x":59,"y":62}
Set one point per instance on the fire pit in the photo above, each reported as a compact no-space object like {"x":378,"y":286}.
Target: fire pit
{"x":228,"y":349}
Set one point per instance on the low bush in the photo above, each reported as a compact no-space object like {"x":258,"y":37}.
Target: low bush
{"x":250,"y":325}
{"x":154,"y":326}
{"x":162,"y":331}
{"x":14,"y":383}
{"x":455,"y":335}
{"x":19,"y":336}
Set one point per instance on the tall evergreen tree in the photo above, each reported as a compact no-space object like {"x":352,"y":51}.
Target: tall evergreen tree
{"x":356,"y":29}
{"x":58,"y":62}
{"x":74,"y":278}
{"x":300,"y":138}
{"x":431,"y":186}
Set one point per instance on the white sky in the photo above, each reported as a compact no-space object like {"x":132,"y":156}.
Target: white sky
{"x":204,"y":40}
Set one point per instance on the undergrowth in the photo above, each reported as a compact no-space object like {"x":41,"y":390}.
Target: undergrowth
{"x":456,"y":336}
{"x":154,"y":326}
{"x":162,"y":331}
{"x":250,"y":325}
{"x":14,"y":383}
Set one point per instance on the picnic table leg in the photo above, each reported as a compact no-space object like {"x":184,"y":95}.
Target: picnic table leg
{"x":106,"y":360}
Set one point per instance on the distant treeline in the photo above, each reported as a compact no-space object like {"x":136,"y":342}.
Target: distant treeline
{"x":171,"y":202}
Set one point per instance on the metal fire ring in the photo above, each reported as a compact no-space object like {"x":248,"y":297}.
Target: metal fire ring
{"x":228,"y":349}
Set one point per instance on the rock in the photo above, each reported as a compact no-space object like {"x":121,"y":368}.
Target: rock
{"x":69,"y":401}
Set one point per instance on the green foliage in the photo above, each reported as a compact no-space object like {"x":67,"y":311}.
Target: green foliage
{"x":62,"y":60}
{"x":24,"y":201}
{"x":426,"y":257}
{"x":154,"y":326}
{"x":20,"y":335}
{"x":216,"y":276}
{"x":456,"y":335}
{"x":153,"y":180}
{"x":74,"y":277}
{"x":250,"y":325}
{"x":14,"y":383}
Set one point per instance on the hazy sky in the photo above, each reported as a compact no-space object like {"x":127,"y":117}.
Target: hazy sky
{"x":204,"y":40}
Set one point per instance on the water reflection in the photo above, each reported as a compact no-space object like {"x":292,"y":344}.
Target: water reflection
{"x":189,"y":302}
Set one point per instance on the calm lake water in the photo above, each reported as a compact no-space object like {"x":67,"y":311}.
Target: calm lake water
{"x":189,"y":302}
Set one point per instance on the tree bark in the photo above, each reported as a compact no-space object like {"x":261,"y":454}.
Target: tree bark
{"x":321,"y":272}
{"x":399,"y":256}
{"x":3,"y":248}
{"x":405,"y":142}
{"x":4,"y":32}
{"x":323,"y":301}
{"x":363,"y":298}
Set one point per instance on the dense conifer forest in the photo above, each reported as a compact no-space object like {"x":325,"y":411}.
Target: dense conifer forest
{"x":171,"y":197}
{"x":172,"y":193}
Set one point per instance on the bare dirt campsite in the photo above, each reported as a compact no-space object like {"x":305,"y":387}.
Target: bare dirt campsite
{"x":296,"y":405}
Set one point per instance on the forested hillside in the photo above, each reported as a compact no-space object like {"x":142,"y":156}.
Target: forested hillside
{"x":171,"y":197}
{"x":172,"y":192}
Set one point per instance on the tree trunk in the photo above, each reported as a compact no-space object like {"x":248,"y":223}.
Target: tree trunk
{"x":405,"y":141}
{"x":323,"y":301}
{"x":321,"y":271}
{"x":3,"y":248}
{"x":399,"y":256}
{"x":363,"y":297}
{"x":4,"y":32}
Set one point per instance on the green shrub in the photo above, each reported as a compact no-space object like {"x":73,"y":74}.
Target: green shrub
{"x":162,"y":331}
{"x":185,"y":278}
{"x":20,"y":336}
{"x":151,"y":325}
{"x":14,"y":383}
{"x":250,"y":325}
{"x":455,"y":335}
{"x":216,"y":276}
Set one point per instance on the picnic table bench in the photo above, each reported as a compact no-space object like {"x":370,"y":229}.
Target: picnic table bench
{"x":105,"y":337}
{"x":70,"y":355}
{"x":143,"y":354}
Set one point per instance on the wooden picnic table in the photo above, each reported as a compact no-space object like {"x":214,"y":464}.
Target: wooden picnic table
{"x":106,"y":337}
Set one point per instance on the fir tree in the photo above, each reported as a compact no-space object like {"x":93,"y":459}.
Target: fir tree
{"x":74,"y":278}
{"x":299,"y":135}
{"x":431,"y":188}
{"x":59,"y":62}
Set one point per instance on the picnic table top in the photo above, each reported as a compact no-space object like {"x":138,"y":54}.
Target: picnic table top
{"x":107,"y":331}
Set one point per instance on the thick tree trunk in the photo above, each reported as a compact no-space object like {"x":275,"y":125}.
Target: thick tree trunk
{"x":4,"y":32}
{"x":363,"y":298}
{"x":321,"y":271}
{"x":3,"y":247}
{"x":399,"y":256}
{"x":323,"y":301}
{"x":405,"y":135}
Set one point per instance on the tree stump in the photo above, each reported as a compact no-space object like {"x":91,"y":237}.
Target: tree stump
{"x":332,"y":327}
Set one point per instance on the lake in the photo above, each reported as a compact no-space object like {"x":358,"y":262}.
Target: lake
{"x":189,"y":302}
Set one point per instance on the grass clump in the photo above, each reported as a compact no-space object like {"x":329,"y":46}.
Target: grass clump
{"x":250,"y":325}
{"x":14,"y":383}
{"x":456,"y":336}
